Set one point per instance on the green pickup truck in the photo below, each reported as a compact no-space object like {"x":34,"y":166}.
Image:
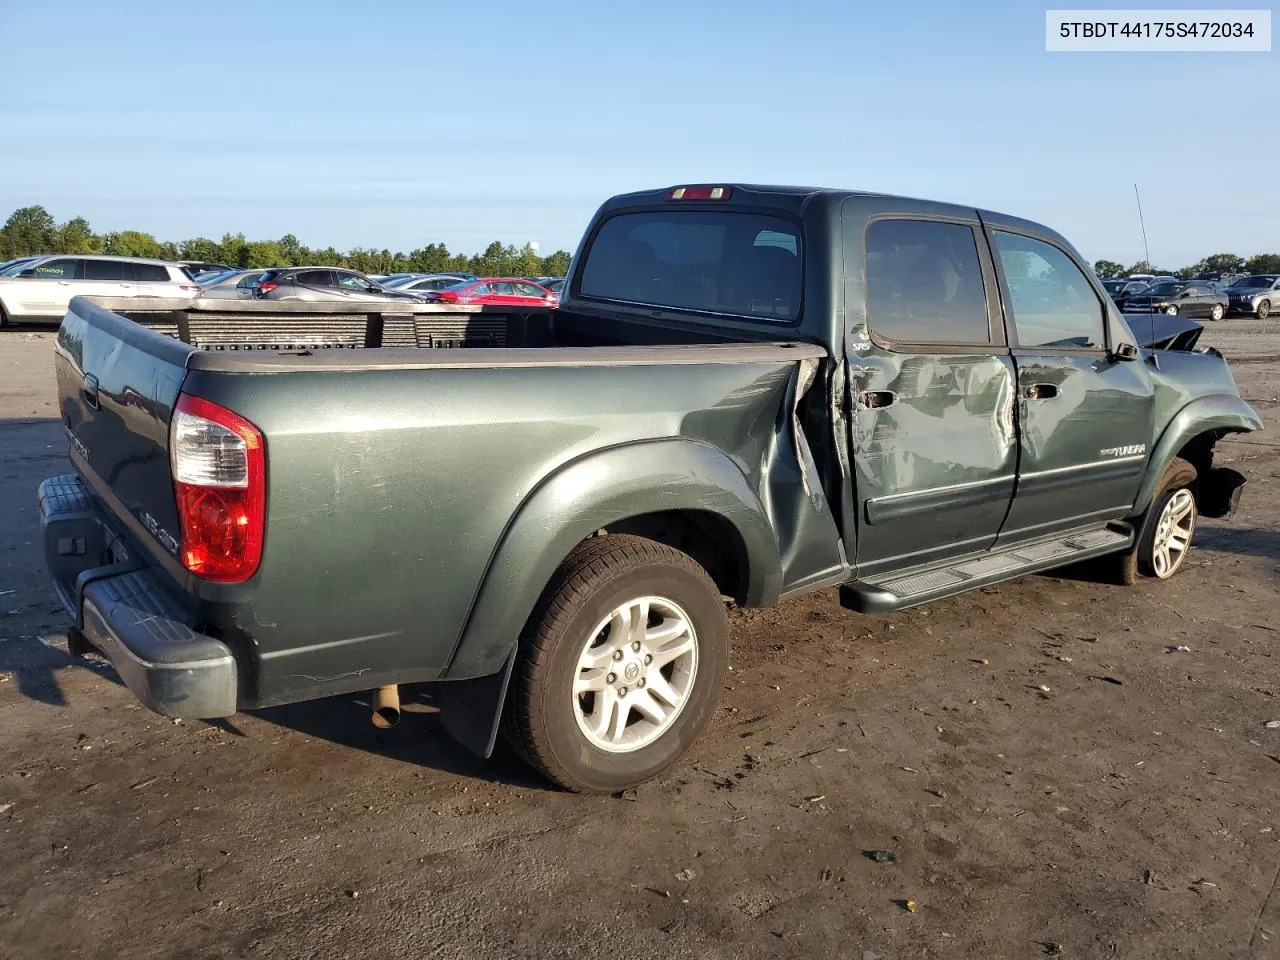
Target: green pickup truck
{"x":746,"y":393}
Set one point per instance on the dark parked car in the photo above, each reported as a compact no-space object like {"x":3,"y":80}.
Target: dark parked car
{"x":1121,"y":290}
{"x":749,"y":393}
{"x":318,"y":284}
{"x":1258,"y":295}
{"x":1187,"y":299}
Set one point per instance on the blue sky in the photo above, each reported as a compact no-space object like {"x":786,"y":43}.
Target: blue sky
{"x":398,"y":123}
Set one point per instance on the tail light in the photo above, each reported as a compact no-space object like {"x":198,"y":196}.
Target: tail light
{"x":267,"y":286}
{"x":447,"y":296}
{"x":219,"y":474}
{"x":193,"y":288}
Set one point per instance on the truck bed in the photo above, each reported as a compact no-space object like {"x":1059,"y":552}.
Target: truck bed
{"x":312,"y":329}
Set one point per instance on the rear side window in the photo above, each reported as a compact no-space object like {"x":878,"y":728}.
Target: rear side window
{"x":57,"y":270}
{"x":501,"y":289}
{"x":741,"y":264}
{"x":528,"y":290}
{"x":924,"y":283}
{"x":315,"y":278}
{"x":106,"y":270}
{"x":151,"y":273}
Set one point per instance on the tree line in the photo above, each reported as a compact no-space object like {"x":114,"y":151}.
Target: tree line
{"x":1225,"y":263}
{"x":33,"y":230}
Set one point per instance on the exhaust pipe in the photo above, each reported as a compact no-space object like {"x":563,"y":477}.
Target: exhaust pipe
{"x":386,"y":706}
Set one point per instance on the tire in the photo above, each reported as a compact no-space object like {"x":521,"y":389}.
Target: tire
{"x":1217,"y":312}
{"x":1138,"y":562}
{"x":1264,"y":310}
{"x":4,"y":317}
{"x":577,"y":740}
{"x":1170,"y":518}
{"x":1171,"y":311}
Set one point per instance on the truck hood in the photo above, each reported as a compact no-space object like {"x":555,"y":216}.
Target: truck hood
{"x":1159,"y":331}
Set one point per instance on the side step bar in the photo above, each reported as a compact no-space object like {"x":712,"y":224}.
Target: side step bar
{"x":909,"y":588}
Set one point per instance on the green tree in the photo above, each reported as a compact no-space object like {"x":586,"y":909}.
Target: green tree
{"x":1106,"y":269}
{"x":76,"y":236}
{"x":291,"y":250}
{"x":201,"y":249}
{"x":1263,"y":263}
{"x":132,"y":243}
{"x":1140,"y":267}
{"x":231,"y":250}
{"x":29,"y":230}
{"x":528,"y":263}
{"x":556,"y":265}
{"x":1222,"y":263}
{"x":263,"y":253}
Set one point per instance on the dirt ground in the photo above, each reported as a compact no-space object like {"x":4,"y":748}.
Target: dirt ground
{"x":1131,"y":810}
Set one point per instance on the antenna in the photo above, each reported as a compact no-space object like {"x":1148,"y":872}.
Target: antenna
{"x":1146,"y":251}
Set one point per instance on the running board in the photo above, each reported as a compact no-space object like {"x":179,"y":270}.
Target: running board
{"x":885,"y":593}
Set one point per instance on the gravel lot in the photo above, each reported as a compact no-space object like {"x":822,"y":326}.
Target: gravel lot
{"x":1133,"y":810}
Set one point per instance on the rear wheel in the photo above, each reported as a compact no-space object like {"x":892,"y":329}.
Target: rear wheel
{"x":1264,"y":310}
{"x":620,"y":667}
{"x":1217,"y":312}
{"x":1171,"y":311}
{"x":4,"y":317}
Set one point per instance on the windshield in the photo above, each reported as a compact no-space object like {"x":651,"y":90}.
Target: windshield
{"x":1165,"y":289}
{"x":741,"y":264}
{"x":1253,"y":282}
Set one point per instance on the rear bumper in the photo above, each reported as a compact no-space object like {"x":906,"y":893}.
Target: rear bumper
{"x":121,"y":607}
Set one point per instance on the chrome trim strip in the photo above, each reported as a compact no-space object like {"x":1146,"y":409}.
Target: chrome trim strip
{"x":954,"y":486}
{"x":1141,"y":457}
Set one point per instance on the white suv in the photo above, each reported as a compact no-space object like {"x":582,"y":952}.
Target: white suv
{"x":44,"y":287}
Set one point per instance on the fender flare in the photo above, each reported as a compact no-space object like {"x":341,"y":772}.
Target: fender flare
{"x":1219,"y":413}
{"x":587,"y":495}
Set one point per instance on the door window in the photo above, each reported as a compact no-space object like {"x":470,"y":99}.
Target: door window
{"x":57,"y":270}
{"x":528,"y":290}
{"x":502,"y":289}
{"x":351,"y":281}
{"x":1052,"y":302}
{"x":315,"y":278}
{"x":104,"y":270}
{"x":924,"y":283}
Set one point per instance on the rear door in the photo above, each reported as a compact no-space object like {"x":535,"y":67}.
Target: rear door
{"x":1084,"y":416}
{"x":106,"y":278}
{"x":931,"y":384}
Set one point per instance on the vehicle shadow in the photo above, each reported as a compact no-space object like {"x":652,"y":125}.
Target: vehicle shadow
{"x":418,"y":738}
{"x":1244,"y":542}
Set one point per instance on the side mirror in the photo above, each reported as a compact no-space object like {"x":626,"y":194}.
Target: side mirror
{"x":1125,"y":351}
{"x":1184,"y":294}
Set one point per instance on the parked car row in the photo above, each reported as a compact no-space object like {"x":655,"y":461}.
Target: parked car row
{"x":1212,"y":298}
{"x":41,"y":287}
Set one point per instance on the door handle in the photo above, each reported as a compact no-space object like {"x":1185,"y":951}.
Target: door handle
{"x":64,"y":283}
{"x":1041,"y":391}
{"x":90,"y":391}
{"x":877,"y":399}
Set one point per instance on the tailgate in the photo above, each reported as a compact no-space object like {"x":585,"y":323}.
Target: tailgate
{"x":117,"y":385}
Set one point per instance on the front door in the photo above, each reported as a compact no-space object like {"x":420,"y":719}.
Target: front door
{"x":931,"y":385}
{"x":1084,"y":415}
{"x":48,"y":291}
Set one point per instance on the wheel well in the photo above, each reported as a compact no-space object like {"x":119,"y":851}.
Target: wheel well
{"x":708,"y":538}
{"x":1198,"y":451}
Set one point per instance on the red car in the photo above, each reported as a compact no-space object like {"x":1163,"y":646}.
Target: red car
{"x":495,"y":291}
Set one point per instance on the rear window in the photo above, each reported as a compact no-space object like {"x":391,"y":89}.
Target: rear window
{"x":151,"y":273}
{"x":743,"y":264}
